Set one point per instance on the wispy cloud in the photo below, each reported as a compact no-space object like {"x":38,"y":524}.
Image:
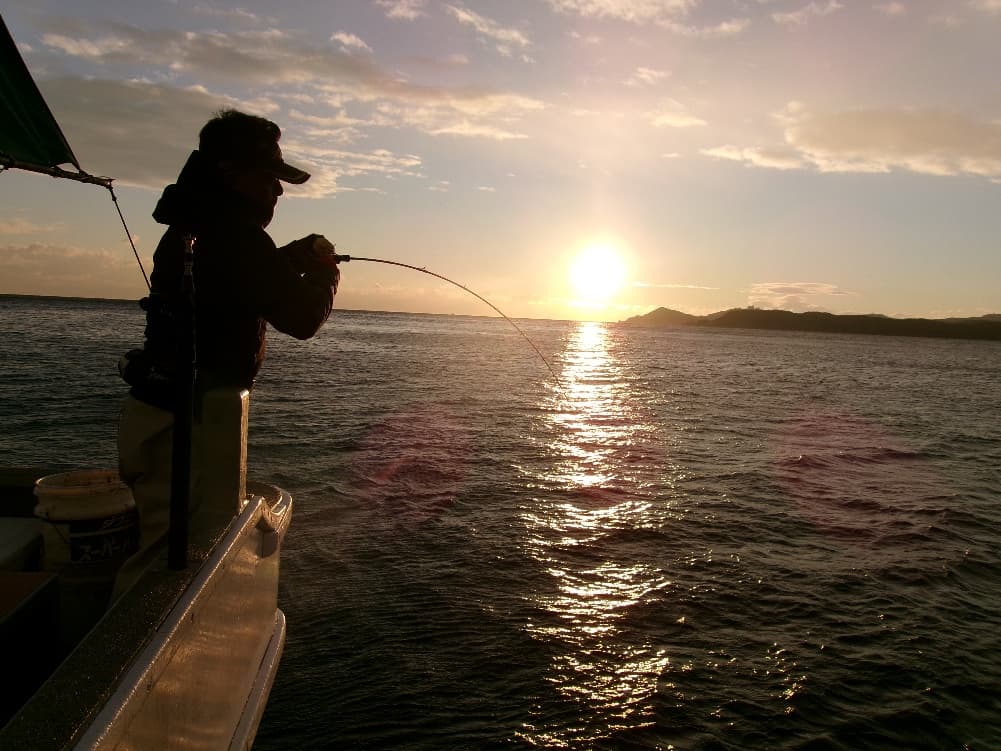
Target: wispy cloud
{"x":137,"y":132}
{"x":774,"y":158}
{"x":637,"y":11}
{"x":673,"y":114}
{"x":237,"y":14}
{"x":17,"y":225}
{"x":730,"y":28}
{"x":405,"y":10}
{"x":162,"y":122}
{"x":794,"y":296}
{"x":651,"y":285}
{"x":891,"y":9}
{"x":56,"y":270}
{"x":365,"y":95}
{"x":481,"y":130}
{"x":803,"y":15}
{"x":934,"y":142}
{"x":646,"y":77}
{"x":668,"y":14}
{"x":488,"y":116}
{"x":988,"y":6}
{"x":926,"y":141}
{"x":349,"y":41}
{"x":340,"y":127}
{"x":584,"y":38}
{"x":504,"y":38}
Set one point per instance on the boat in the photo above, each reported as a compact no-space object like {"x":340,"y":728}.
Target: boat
{"x":187,"y":656}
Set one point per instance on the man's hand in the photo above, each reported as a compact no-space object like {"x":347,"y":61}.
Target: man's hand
{"x":313,"y":251}
{"x":310,"y":249}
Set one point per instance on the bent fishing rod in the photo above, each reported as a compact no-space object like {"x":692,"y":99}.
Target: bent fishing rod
{"x":344,"y":258}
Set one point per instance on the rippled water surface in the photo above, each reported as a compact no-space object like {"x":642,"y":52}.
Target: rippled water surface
{"x":706,"y":540}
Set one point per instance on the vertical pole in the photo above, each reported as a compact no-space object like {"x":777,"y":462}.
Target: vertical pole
{"x":180,"y":469}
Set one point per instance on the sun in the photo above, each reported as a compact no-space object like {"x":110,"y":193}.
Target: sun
{"x":597,"y":273}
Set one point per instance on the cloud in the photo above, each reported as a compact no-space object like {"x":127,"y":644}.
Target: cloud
{"x":730,"y":28}
{"x":646,"y":77}
{"x":405,"y":10}
{"x":988,"y":6}
{"x":239,"y":15}
{"x":636,"y":11}
{"x":933,"y":142}
{"x":794,"y":296}
{"x":138,"y":133}
{"x":328,"y":123}
{"x":584,"y":39}
{"x":249,"y":58}
{"x":775,"y":158}
{"x":349,"y":41}
{"x":925,"y":141}
{"x":479,"y":130}
{"x":256,"y":58}
{"x":673,"y":114}
{"x":453,"y":60}
{"x":803,"y":15}
{"x":491,"y":116}
{"x":329,"y":165}
{"x":53,"y":270}
{"x":115,"y":140}
{"x":17,"y":225}
{"x":667,"y":14}
{"x":648,"y":285}
{"x":505,"y":38}
{"x":272,"y":58}
{"x":891,"y":9}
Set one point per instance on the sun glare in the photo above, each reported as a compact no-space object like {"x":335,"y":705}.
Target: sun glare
{"x":597,"y":273}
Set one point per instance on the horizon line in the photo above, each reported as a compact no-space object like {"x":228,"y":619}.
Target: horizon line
{"x":80,"y":298}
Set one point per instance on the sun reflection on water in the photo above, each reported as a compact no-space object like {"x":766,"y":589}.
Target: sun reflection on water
{"x":575,"y":530}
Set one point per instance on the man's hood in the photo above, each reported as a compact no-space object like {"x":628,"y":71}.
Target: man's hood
{"x":201,"y":197}
{"x":193,"y":198}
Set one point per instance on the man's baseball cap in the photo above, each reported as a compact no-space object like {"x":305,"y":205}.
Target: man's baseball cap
{"x":250,"y":141}
{"x":271,"y":160}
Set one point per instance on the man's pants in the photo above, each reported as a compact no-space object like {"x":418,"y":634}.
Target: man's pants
{"x":145,"y":446}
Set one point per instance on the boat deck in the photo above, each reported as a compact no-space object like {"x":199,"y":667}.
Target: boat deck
{"x":141,"y":632}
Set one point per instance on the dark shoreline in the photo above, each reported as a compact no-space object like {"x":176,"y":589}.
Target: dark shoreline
{"x":18,"y":296}
{"x":984,"y":328}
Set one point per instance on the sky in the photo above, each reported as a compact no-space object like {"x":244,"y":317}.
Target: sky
{"x":565,"y":159}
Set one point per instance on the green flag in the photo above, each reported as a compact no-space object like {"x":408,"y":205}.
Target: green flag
{"x":29,"y":134}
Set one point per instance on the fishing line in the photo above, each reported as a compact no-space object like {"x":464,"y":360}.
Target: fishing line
{"x":338,"y":258}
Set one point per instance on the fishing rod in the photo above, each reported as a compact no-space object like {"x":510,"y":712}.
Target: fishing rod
{"x":343,"y":258}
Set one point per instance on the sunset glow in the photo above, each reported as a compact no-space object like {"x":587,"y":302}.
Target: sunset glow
{"x":597,"y":274}
{"x":565,"y":158}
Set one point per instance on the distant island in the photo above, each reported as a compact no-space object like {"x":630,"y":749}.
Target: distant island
{"x":984,"y":327}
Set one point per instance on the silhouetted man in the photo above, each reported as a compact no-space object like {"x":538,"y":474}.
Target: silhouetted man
{"x":224,"y":198}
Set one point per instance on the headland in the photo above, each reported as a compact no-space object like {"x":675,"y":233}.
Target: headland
{"x":984,"y":327}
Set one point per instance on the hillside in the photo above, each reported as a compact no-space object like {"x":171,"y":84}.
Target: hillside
{"x":985,"y":327}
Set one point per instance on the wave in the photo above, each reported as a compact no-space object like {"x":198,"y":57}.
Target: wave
{"x":871,"y":455}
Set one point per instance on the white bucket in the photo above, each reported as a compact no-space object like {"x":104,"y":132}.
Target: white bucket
{"x":91,"y":518}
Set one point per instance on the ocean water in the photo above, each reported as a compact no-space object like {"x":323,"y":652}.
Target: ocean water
{"x":706,"y":540}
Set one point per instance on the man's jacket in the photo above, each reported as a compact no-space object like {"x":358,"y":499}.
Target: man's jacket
{"x":242,"y":283}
